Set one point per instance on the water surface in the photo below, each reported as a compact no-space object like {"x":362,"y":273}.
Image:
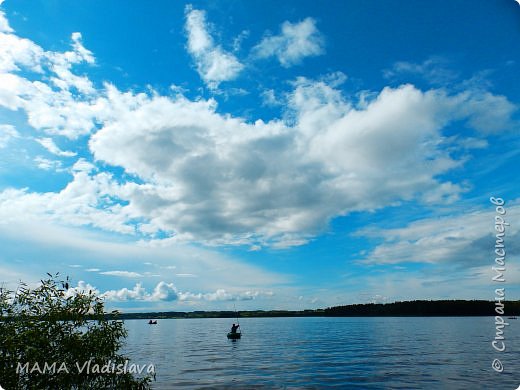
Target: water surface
{"x":364,"y":353}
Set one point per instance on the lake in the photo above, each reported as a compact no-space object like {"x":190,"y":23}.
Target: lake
{"x":364,"y":353}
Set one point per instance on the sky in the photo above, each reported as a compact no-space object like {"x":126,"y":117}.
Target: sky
{"x":209,"y":155}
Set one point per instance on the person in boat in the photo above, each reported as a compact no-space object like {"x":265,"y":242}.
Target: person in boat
{"x":234,"y":328}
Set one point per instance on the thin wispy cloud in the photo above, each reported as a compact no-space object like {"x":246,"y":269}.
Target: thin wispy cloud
{"x":459,"y":240}
{"x":124,"y":274}
{"x":295,"y":42}
{"x":46,"y":164}
{"x":7,"y":133}
{"x":49,"y":144}
{"x":436,"y":70}
{"x":213,"y":63}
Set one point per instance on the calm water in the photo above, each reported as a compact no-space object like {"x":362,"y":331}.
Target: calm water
{"x":365,"y":353}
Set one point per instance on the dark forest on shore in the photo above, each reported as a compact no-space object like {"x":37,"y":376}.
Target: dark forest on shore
{"x":418,"y":308}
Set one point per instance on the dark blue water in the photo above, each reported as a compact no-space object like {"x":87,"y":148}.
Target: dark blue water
{"x":364,"y":353}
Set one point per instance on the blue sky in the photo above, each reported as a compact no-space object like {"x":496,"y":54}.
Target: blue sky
{"x":202,"y":155}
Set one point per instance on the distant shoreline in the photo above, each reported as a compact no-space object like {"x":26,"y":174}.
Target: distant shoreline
{"x":418,"y":308}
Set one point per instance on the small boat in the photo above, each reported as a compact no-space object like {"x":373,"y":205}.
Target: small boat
{"x":234,"y":335}
{"x":152,"y":322}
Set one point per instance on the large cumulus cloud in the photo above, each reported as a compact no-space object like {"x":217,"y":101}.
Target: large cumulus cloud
{"x":221,"y":179}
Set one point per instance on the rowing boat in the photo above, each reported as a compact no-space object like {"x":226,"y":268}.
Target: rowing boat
{"x":234,"y":336}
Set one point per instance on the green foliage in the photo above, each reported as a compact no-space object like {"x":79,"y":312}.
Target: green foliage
{"x":47,"y":325}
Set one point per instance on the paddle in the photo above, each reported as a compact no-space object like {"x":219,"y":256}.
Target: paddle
{"x":238,"y":322}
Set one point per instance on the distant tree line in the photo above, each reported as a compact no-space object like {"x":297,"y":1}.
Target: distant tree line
{"x":425,"y":308}
{"x":406,"y":308}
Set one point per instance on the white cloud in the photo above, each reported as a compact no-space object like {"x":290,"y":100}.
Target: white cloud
{"x":167,"y":292}
{"x":293,"y":44}
{"x":86,"y":200}
{"x":434,"y":69}
{"x":68,"y":105}
{"x":4,"y":24}
{"x":220,"y":179}
{"x":211,"y":177}
{"x":56,"y":112}
{"x":46,"y":164}
{"x":7,"y":133}
{"x":61,"y":64}
{"x":200,"y":181}
{"x":237,"y":42}
{"x":125,"y":294}
{"x":49,"y":144}
{"x":270,"y":99}
{"x":223,"y":295}
{"x":41,"y":248}
{"x":488,"y":113}
{"x":82,"y":287}
{"x":164,"y":292}
{"x":466,"y":239}
{"x":124,"y":274}
{"x":16,"y":52}
{"x":82,"y":165}
{"x":214,"y":64}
